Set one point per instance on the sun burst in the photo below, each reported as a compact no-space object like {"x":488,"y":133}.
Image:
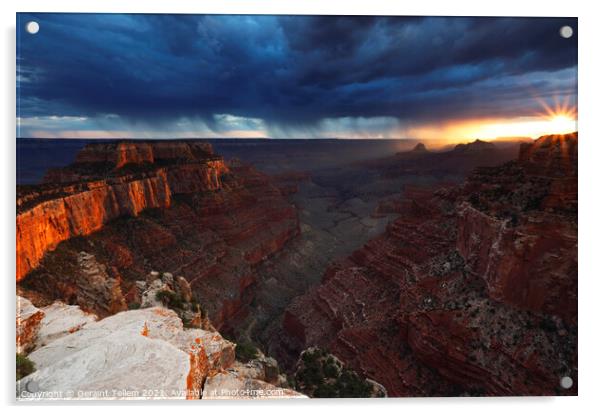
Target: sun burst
{"x":560,"y":118}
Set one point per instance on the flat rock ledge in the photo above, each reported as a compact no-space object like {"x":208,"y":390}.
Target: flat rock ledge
{"x":136,"y":355}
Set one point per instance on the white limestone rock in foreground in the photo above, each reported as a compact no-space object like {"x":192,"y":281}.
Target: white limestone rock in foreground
{"x":142,"y":354}
{"x":61,"y":320}
{"x":117,"y":366}
{"x":38,"y":327}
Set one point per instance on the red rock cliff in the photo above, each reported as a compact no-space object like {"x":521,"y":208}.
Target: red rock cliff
{"x":188,"y":213}
{"x":518,"y":227}
{"x":42,"y":227}
{"x":54,"y":213}
{"x":472,"y":290}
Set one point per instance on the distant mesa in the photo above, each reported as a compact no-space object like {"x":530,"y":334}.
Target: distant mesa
{"x":420,"y":147}
{"x":454,"y":159}
{"x":476,"y":146}
{"x":124,"y":153}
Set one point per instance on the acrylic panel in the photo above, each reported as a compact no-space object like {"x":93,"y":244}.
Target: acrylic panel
{"x":273,"y":206}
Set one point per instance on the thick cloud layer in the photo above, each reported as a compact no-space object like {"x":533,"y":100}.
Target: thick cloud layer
{"x":287,"y":73}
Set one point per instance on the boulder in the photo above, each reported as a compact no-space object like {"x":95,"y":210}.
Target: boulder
{"x":151,"y":277}
{"x":168,"y":279}
{"x":149,"y":296}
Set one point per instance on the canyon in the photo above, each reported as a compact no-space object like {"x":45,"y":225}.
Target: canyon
{"x":429,"y":273}
{"x":471,"y":291}
{"x":343,"y":203}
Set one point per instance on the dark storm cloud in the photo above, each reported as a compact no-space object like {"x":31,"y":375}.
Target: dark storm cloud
{"x":290,"y":70}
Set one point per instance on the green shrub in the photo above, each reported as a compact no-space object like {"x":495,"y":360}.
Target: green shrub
{"x":133,"y":305}
{"x":246,"y":351}
{"x":321,"y":375}
{"x":169,"y":298}
{"x":330,"y":370}
{"x":24,"y":366}
{"x":351,"y":386}
{"x":326,"y":391}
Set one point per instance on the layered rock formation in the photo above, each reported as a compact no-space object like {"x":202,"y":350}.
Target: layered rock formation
{"x":471,"y":291}
{"x":172,"y":205}
{"x":518,"y":227}
{"x":104,"y":184}
{"x":47,"y":223}
{"x":134,"y":153}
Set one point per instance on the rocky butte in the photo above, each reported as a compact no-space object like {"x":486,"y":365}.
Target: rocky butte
{"x":472,"y":291}
{"x":124,"y":208}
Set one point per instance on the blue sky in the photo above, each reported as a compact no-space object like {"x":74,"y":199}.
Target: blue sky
{"x":115,"y":75}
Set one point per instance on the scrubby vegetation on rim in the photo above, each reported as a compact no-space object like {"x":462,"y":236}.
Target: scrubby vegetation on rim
{"x":322,"y":375}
